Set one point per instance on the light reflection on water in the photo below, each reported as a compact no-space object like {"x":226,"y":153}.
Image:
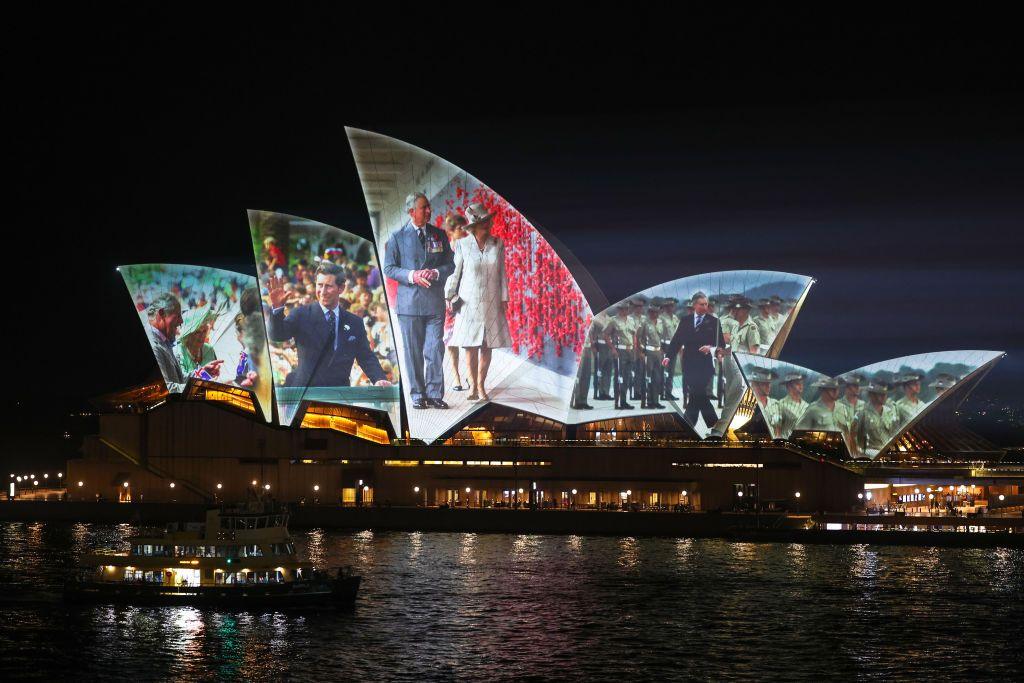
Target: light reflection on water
{"x":474,"y":606}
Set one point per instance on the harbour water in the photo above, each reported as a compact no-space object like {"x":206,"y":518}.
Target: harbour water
{"x":438,"y":606}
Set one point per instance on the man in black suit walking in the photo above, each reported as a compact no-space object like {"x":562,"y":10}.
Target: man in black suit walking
{"x":328,"y":339}
{"x":699,"y":335}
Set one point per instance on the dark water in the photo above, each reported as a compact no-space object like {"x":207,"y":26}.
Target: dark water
{"x":475,"y":606}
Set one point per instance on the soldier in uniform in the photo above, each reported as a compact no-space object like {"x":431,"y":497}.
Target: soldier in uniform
{"x":820,"y":416}
{"x":619,"y":337}
{"x":648,"y":342}
{"x":910,"y":405}
{"x":850,"y":405}
{"x":587,"y":367}
{"x":877,"y":423}
{"x":761,"y":384}
{"x":792,"y":406}
{"x":603,"y":358}
{"x":667,"y":323}
{"x":775,"y":308}
{"x":763,"y":321}
{"x":745,"y":336}
{"x":942,"y":383}
{"x":636,"y":317}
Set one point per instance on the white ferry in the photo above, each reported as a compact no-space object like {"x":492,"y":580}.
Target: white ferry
{"x":241,"y":556}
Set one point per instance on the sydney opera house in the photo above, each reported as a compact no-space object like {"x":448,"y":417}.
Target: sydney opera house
{"x":463,"y":357}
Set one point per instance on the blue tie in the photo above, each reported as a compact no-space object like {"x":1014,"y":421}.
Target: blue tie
{"x":698,"y":321}
{"x":332,"y":332}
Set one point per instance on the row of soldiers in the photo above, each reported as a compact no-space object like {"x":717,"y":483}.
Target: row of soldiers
{"x":622,"y":353}
{"x":866,"y":425}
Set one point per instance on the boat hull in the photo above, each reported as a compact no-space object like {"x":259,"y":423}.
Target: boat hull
{"x":340,"y":592}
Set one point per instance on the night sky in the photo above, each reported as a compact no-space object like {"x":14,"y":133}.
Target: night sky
{"x":887,"y":162}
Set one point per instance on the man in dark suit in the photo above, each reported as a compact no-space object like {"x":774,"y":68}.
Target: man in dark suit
{"x":419,"y":258}
{"x":328,"y":338}
{"x":699,"y":335}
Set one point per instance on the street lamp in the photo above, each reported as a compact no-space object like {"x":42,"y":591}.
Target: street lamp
{"x":797,"y":494}
{"x":415,"y":489}
{"x":254,"y":482}
{"x":125,"y":484}
{"x":316,"y":487}
{"x":81,"y":483}
{"x":219,"y":486}
{"x":1002,"y":497}
{"x":266,"y":487}
{"x":172,"y":484}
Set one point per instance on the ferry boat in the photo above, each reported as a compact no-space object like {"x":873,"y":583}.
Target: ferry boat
{"x":241,"y":556}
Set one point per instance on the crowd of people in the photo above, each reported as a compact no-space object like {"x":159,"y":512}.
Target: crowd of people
{"x":867,"y":411}
{"x":292,"y":278}
{"x":646,"y":349}
{"x":202,"y":323}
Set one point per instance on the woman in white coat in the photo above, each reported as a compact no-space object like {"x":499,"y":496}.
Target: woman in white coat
{"x":478,"y":293}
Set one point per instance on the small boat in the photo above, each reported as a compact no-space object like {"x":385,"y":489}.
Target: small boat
{"x":242,"y":556}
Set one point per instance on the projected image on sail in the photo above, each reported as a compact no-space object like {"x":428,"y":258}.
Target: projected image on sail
{"x":204,"y":324}
{"x":327,"y":316}
{"x":896,"y":393}
{"x":669,"y":348}
{"x":484,"y":307}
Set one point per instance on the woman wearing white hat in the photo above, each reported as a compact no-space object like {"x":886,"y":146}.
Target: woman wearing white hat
{"x":478,"y":293}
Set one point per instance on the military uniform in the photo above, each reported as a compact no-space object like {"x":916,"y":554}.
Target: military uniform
{"x":648,"y":340}
{"x":874,"y":428}
{"x":769,"y":406}
{"x":791,"y":410}
{"x":763,"y":322}
{"x":636,"y":318}
{"x":619,"y":335}
{"x":667,"y":324}
{"x":587,"y":367}
{"x":906,"y":408}
{"x":603,"y":359}
{"x":819,"y":416}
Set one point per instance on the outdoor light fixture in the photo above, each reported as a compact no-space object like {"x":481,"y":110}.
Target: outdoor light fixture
{"x":869,"y":494}
{"x":254,"y":482}
{"x":46,"y":475}
{"x":81,"y":483}
{"x":684,"y":493}
{"x":35,"y":483}
{"x":172,"y":484}
{"x":574,"y":492}
{"x":60,"y":475}
{"x":19,"y":478}
{"x":125,"y":484}
{"x":520,"y":490}
{"x":797,"y":494}
{"x":467,"y":489}
{"x":219,"y":486}
{"x":739,"y":493}
{"x":629,"y":492}
{"x":316,"y":487}
{"x":366,"y":488}
{"x":360,"y":482}
{"x":416,"y":489}
{"x":266,"y":487}
{"x":860,"y":496}
{"x":1002,"y":497}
